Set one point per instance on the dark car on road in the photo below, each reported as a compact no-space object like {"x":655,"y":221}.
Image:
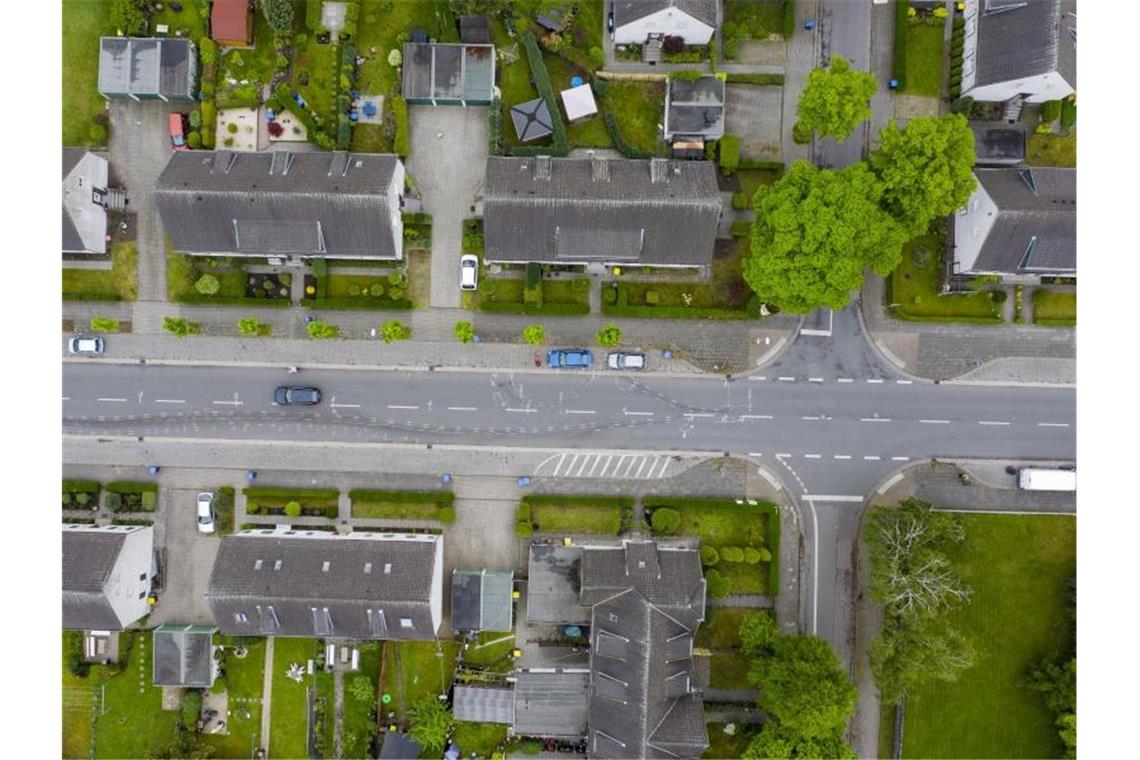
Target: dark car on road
{"x":569,"y":358}
{"x":296,"y":396}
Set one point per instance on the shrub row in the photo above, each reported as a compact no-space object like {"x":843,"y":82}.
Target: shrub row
{"x":423,"y":497}
{"x":902,"y":22}
{"x":728,"y":152}
{"x":789,"y":19}
{"x":494,"y":128}
{"x":741,"y":201}
{"x":400,"y":110}
{"x":1068,"y":114}
{"x":77,"y":486}
{"x":762,"y":79}
{"x":623,"y":502}
{"x":346,"y":304}
{"x":622,"y":309}
{"x":542,"y":84}
{"x":130,"y":486}
{"x":523,"y":526}
{"x":741,"y":228}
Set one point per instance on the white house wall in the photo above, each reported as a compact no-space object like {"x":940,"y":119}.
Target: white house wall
{"x":395,"y":213}
{"x":131,"y":576}
{"x":665,"y":21}
{"x":972,"y":224}
{"x":437,"y":587}
{"x":1051,"y":86}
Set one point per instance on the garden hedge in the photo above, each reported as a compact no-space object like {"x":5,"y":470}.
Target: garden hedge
{"x":494,"y":128}
{"x":761,"y":79}
{"x":420,"y":497}
{"x":614,"y":131}
{"x":621,"y":308}
{"x":371,"y":302}
{"x":551,"y":309}
{"x":789,"y":19}
{"x":130,"y":486}
{"x":400,"y":110}
{"x":81,"y":486}
{"x":1068,"y":114}
{"x":902,"y":22}
{"x":313,"y":15}
{"x":542,"y":84}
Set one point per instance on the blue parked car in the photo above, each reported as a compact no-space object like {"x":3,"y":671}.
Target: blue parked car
{"x":571,"y":358}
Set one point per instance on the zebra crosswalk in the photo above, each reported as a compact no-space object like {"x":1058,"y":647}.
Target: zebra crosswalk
{"x":605,"y":465}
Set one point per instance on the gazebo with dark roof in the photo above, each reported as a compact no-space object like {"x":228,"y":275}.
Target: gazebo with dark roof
{"x":532,"y":120}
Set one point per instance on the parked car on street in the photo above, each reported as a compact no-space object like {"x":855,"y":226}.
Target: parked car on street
{"x":610,"y":22}
{"x":625,"y":360}
{"x":206,"y":512}
{"x":468,"y":272}
{"x":570,"y":358}
{"x":178,"y":122}
{"x":287,"y":395}
{"x":85,"y":344}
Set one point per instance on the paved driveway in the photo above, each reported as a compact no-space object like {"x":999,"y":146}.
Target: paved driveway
{"x":754,"y":112}
{"x":189,"y":559}
{"x":447,"y":158}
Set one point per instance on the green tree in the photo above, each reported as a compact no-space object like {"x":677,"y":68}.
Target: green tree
{"x":709,"y":555}
{"x":804,"y":687}
{"x":293,"y":509}
{"x":815,"y":232}
{"x":716,"y":584}
{"x":927,"y":169}
{"x":207,"y":285}
{"x":665,"y":520}
{"x":104,"y":325}
{"x":97,"y":134}
{"x":775,"y":741}
{"x":430,"y":723}
{"x":835,"y":100}
{"x":279,"y":14}
{"x":394,"y":329}
{"x":608,"y":336}
{"x":319,"y":330}
{"x":128,"y":17}
{"x":176,"y":326}
{"x":906,"y":655}
{"x":249,"y":326}
{"x":361,"y":689}
{"x":534,"y":335}
{"x":464,"y":331}
{"x":1056,"y":680}
{"x":758,"y":633}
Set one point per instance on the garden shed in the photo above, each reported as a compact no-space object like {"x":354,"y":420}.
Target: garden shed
{"x":484,"y":705}
{"x":694,"y":108}
{"x":448,"y":74}
{"x":482,"y":600}
{"x":532,"y":120}
{"x":143,"y":68}
{"x":579,"y":102}
{"x":184,"y":656}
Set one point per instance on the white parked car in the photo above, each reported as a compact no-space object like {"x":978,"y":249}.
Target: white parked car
{"x":205,"y":512}
{"x":468,"y":271}
{"x":85,"y":344}
{"x":625,"y":360}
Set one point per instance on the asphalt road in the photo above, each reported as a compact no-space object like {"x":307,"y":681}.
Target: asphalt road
{"x":846,"y":32}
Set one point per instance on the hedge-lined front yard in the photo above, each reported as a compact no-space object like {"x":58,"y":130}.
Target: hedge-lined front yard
{"x":268,"y":500}
{"x":403,"y":505}
{"x":914,"y":288}
{"x":120,"y":283}
{"x":924,"y":57}
{"x":552,"y":513}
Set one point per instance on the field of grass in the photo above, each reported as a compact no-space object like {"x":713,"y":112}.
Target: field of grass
{"x":288,"y":719}
{"x":1020,"y":568}
{"x":79,"y":706}
{"x":490,"y":649}
{"x":419,"y":277}
{"x":359,"y":720}
{"x":417,"y":669}
{"x":721,"y":629}
{"x":575,"y":514}
{"x":759,"y":17}
{"x":728,"y":670}
{"x":244,"y":682}
{"x":190,"y":20}
{"x":915,"y":283}
{"x":726,"y":289}
{"x":378,"y":25}
{"x":1052,"y":150}
{"x":723,"y":746}
{"x":132,"y":722}
{"x":84,"y":22}
{"x":479,"y":738}
{"x":1053,"y":308}
{"x":637,"y":106}
{"x":118,"y":283}
{"x":924,"y":57}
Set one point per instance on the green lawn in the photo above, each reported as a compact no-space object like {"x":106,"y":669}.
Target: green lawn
{"x":728,"y":670}
{"x":316,"y":75}
{"x":419,"y":277}
{"x":79,"y":705}
{"x":479,"y":738}
{"x":1054,"y":308}
{"x":378,"y":25}
{"x":120,"y":283}
{"x":759,"y":17}
{"x":915,"y":288}
{"x":492,"y":649}
{"x":359,"y":717}
{"x":288,"y":719}
{"x":726,"y":289}
{"x":924,"y":57}
{"x":84,"y":21}
{"x":1019,"y":567}
{"x":576,"y":514}
{"x":244,"y":682}
{"x":324,"y":723}
{"x":256,"y":65}
{"x":132,"y":722}
{"x":417,"y":669}
{"x":400,"y":505}
{"x":723,"y":746}
{"x":343,"y":285}
{"x":1052,"y":150}
{"x":638,"y":108}
{"x":721,"y":629}
{"x":190,"y":20}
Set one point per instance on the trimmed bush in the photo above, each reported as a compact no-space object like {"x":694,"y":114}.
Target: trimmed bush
{"x":665,"y":520}
{"x":709,"y":555}
{"x":207,"y":285}
{"x":149,"y":500}
{"x":741,"y":201}
{"x":534,"y":335}
{"x":717,"y":585}
{"x":464,"y":331}
{"x":733,"y":554}
{"x":740,"y":228}
{"x":760,"y":79}
{"x":400,"y":109}
{"x":533,"y":274}
{"x":194,"y":140}
{"x":447,"y":514}
{"x":789,"y":19}
{"x":751,"y":556}
{"x":1068,"y":114}
{"x":104,"y":325}
{"x":293,"y":509}
{"x":609,"y":336}
{"x":1050,"y":111}
{"x":542,"y":84}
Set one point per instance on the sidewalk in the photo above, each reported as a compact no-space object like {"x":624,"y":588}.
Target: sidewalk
{"x":802,"y":56}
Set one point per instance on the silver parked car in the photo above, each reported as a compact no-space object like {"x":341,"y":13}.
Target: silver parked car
{"x":85,"y":344}
{"x":625,"y":360}
{"x":206,"y":512}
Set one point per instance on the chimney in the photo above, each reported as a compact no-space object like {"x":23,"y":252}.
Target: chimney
{"x":542,"y":167}
{"x":599,"y":168}
{"x":658,"y":170}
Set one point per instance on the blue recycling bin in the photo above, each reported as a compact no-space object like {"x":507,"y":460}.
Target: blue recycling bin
{"x":446,"y":478}
{"x":523,"y":481}
{"x":250,"y":474}
{"x":153,"y":469}
{"x":809,"y":24}
{"x":893,"y":84}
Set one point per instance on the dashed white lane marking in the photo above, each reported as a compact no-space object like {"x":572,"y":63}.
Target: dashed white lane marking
{"x":935,"y":422}
{"x":782,"y":455}
{"x":809,"y":418}
{"x":904,"y":382}
{"x":1053,"y":424}
{"x":117,"y":399}
{"x":786,"y":379}
{"x":758,"y":379}
{"x":462,"y":409}
{"x":524,"y":409}
{"x":335,"y":405}
{"x":874,"y":419}
{"x":993,"y":422}
{"x":871,"y":458}
{"x":232,"y":402}
{"x":638,"y":414}
{"x":755,"y":454}
{"x":755,"y":416}
{"x":900,"y":459}
{"x":812,"y":456}
{"x":402,"y":406}
{"x":842,"y":456}
{"x":875,"y":380}
{"x":67,"y":398}
{"x":845,"y":380}
{"x":832,"y":497}
{"x":693,"y":415}
{"x":580,"y":411}
{"x":169,"y":401}
{"x":815,"y":379}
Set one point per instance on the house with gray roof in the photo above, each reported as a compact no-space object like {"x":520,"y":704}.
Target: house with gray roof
{"x":85,"y":192}
{"x":283,"y":204}
{"x":310,"y":583}
{"x":654,"y":212}
{"x":1019,"y":50}
{"x":1018,"y":223}
{"x":107,"y":572}
{"x":482,"y":600}
{"x":643,"y":601}
{"x":636,"y":21}
{"x":441,"y":74}
{"x":147,"y":68}
{"x":694,"y":109}
{"x":183,"y":656}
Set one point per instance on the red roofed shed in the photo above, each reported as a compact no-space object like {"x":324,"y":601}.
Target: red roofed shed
{"x":231,"y":22}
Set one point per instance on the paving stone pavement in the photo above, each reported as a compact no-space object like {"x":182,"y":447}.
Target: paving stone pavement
{"x":803,"y":51}
{"x":939,"y":484}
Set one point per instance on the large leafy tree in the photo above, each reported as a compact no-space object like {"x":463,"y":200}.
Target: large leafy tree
{"x":430,"y":723}
{"x":129,"y":16}
{"x":835,"y":100}
{"x":279,"y":13}
{"x":906,"y":655}
{"x":815,"y":232}
{"x":926,"y":169}
{"x":774,"y":742}
{"x":803,"y":686}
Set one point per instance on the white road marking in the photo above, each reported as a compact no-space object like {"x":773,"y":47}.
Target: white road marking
{"x":462,"y":409}
{"x":692,"y":415}
{"x":809,"y":418}
{"x":169,"y":401}
{"x":833,"y":497}
{"x":904,"y":382}
{"x":875,"y":380}
{"x":761,"y":378}
{"x":111,"y":399}
{"x":230,"y":403}
{"x":874,"y":419}
{"x":900,"y":459}
{"x":559,"y":465}
{"x":782,"y":455}
{"x":67,"y":398}
{"x":402,"y":406}
{"x":638,"y":414}
{"x":815,"y":379}
{"x":842,"y":456}
{"x":580,"y":411}
{"x":620,"y":462}
{"x":629,"y":467}
{"x":755,"y":454}
{"x":935,"y":422}
{"x":894,"y":479}
{"x":993,"y":422}
{"x":573,"y":462}
{"x":524,"y":410}
{"x":755,"y":416}
{"x":1053,"y":424}
{"x":845,"y":380}
{"x":871,"y":458}
{"x":813,"y":456}
{"x":786,"y":379}
{"x":664,"y":466}
{"x":585,"y":461}
{"x":644,"y":461}
{"x":597,"y":461}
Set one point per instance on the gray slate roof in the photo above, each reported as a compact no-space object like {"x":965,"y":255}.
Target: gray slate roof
{"x":552,"y":704}
{"x":327,"y":204}
{"x":183,"y":656}
{"x":89,"y":557}
{"x":359,"y":586}
{"x":1024,"y":38}
{"x":671,"y":579}
{"x":84,"y":220}
{"x":483,"y":705}
{"x":145,"y":66}
{"x":627,"y":11}
{"x":475,"y":29}
{"x":565,"y":210}
{"x":695,"y":108}
{"x":399,"y":746}
{"x":643,"y":702}
{"x":1034,"y":231}
{"x":481,"y":600}
{"x":998,"y":144}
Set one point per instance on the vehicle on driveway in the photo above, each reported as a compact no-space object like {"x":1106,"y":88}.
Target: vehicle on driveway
{"x":610,"y":23}
{"x":569,"y":358}
{"x":206,"y":512}
{"x":85,"y":344}
{"x":625,"y":360}
{"x":178,"y":122}
{"x":287,"y":395}
{"x":468,"y":272}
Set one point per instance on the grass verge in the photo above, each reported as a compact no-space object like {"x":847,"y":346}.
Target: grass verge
{"x":1052,"y":150}
{"x":915,"y":288}
{"x":1053,"y":308}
